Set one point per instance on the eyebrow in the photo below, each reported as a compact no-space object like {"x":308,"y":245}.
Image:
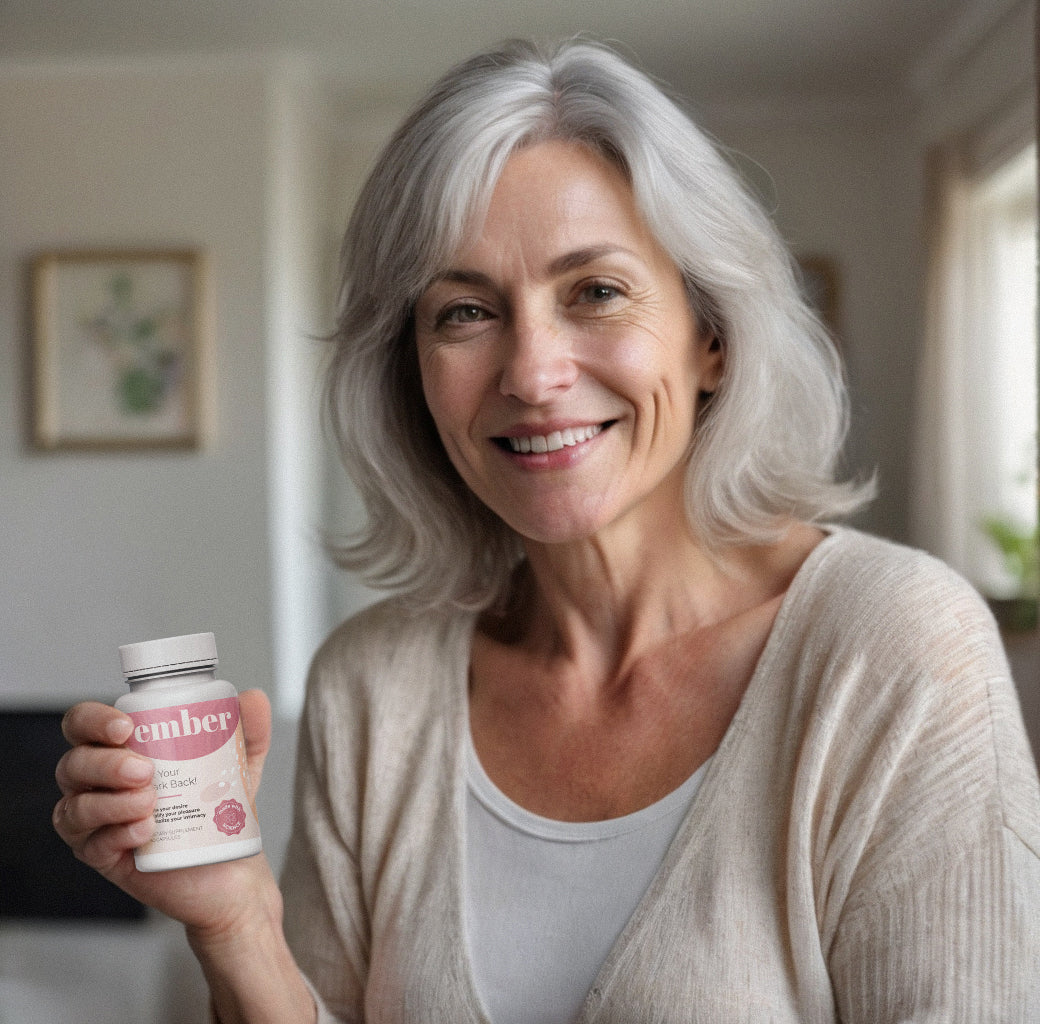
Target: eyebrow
{"x":574,"y":260}
{"x":582,"y":257}
{"x":458,"y":276}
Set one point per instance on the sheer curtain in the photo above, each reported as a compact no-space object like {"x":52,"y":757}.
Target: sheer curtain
{"x":939,"y":456}
{"x":976,"y":417}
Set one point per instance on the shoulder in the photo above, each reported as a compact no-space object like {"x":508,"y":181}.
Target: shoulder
{"x":388,"y":637}
{"x":386,"y":654}
{"x":877,"y":593}
{"x":894,"y":626}
{"x":908,"y":676}
{"x":883,"y":567}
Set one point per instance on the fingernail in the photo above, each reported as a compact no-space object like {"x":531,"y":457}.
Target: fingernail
{"x":141,"y":831}
{"x":119,"y":729}
{"x":137,"y":769}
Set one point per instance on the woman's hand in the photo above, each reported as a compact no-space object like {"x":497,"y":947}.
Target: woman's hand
{"x":232,"y":911}
{"x":106,"y":811}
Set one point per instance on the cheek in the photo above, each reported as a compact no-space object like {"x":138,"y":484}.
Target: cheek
{"x":652,"y":371}
{"x":449,"y":391}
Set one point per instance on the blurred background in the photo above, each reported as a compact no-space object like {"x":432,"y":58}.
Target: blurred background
{"x":893,"y":141}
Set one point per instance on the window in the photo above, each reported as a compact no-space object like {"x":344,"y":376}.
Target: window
{"x":976,"y":454}
{"x":1003,"y":207}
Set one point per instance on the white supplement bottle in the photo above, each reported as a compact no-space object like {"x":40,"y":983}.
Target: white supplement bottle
{"x":187,"y":722}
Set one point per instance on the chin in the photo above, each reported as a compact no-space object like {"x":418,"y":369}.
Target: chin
{"x":557,"y":528}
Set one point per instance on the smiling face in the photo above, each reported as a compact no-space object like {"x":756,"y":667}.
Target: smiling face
{"x":560,"y":359}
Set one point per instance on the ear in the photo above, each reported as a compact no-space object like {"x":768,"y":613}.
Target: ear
{"x":711,"y":360}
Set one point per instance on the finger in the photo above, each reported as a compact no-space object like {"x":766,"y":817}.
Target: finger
{"x":78,"y":817}
{"x":111,"y":848}
{"x":87,"y":767}
{"x":93,"y":722}
{"x":255,"y":710}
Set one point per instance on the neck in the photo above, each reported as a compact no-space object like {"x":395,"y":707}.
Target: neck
{"x":603,"y":602}
{"x":598,"y":606}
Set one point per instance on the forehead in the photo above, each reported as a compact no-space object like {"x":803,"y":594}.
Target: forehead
{"x":555,"y":196}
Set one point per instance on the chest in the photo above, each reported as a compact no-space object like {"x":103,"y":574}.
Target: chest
{"x":614,"y":753}
{"x":727,"y":931}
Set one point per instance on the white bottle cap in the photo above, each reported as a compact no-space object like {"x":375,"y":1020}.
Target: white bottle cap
{"x":174,"y":654}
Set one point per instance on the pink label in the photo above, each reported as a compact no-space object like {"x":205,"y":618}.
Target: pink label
{"x":184,"y":732}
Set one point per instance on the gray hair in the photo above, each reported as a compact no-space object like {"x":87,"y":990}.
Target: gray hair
{"x":766,"y":444}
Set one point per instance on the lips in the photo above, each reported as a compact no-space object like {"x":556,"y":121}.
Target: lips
{"x":551,"y":442}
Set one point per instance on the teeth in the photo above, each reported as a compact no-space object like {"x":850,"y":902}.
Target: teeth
{"x":553,"y":442}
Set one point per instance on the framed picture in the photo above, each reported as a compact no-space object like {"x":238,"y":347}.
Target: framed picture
{"x":117,"y":349}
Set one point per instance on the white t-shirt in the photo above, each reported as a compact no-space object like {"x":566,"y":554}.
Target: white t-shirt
{"x":546,"y":900}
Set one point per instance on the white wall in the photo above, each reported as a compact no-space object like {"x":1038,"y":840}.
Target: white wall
{"x":103,"y":549}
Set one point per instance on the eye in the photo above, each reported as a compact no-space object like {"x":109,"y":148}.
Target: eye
{"x":462,"y":313}
{"x":598,"y":292}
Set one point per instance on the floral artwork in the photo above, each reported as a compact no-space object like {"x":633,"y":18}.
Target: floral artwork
{"x":116,"y":350}
{"x":145,"y":346}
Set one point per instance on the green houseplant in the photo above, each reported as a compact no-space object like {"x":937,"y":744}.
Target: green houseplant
{"x":1020,"y":549}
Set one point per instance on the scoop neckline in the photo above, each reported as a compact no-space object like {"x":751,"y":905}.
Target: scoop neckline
{"x":503,"y":807}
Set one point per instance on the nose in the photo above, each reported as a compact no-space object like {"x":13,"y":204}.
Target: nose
{"x":538,"y":361}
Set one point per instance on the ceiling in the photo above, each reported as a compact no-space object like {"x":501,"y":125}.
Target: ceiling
{"x":713,"y":48}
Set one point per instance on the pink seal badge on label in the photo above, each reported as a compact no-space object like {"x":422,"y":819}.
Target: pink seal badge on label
{"x":230,"y":817}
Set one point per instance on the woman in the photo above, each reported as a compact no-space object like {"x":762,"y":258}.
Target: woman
{"x":640,"y":738}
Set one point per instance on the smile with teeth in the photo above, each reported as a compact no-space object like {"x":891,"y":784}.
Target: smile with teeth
{"x":554,"y":441}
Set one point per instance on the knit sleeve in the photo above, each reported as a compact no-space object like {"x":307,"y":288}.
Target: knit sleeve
{"x":940,"y":917}
{"x":960,"y":946}
{"x":325,"y":917}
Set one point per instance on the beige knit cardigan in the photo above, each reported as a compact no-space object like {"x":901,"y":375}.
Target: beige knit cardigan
{"x":865,"y":847}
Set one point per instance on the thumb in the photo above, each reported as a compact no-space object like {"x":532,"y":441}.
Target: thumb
{"x":255,"y":712}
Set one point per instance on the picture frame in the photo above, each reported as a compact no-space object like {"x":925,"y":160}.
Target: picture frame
{"x":117,"y":349}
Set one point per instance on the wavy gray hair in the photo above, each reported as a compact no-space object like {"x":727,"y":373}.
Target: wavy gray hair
{"x":766,"y":445}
